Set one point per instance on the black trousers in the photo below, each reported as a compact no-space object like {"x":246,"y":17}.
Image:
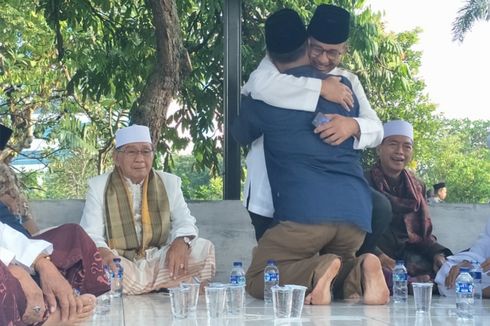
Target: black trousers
{"x":381,"y":219}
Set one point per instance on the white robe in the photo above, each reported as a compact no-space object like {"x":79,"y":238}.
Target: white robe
{"x":16,"y":248}
{"x":480,"y":251}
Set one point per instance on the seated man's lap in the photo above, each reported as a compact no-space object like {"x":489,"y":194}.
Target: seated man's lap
{"x":152,"y":268}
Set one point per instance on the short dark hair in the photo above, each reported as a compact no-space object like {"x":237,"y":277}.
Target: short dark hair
{"x":290,"y":56}
{"x":284,"y":31}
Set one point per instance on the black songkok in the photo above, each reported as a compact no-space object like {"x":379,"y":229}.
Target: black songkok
{"x":329,"y":24}
{"x":438,"y":186}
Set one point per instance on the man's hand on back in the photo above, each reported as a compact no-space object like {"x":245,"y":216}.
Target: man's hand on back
{"x":338,"y":129}
{"x":335,"y":91}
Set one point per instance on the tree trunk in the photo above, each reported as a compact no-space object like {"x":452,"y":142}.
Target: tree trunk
{"x":164,"y":81}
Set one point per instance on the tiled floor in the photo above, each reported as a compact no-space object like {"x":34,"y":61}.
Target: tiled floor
{"x":154,"y":309}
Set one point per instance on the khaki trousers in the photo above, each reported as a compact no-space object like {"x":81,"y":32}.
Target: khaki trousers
{"x":303,"y":252}
{"x":352,"y":286}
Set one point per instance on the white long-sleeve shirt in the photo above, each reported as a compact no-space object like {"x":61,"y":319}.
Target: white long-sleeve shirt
{"x":480,"y":251}
{"x":183,"y":223}
{"x":267,"y":84}
{"x":15,"y":247}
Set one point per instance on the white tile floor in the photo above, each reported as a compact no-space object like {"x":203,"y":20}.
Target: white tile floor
{"x":154,"y":309}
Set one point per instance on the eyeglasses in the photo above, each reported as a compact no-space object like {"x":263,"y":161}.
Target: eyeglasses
{"x":332,"y":54}
{"x":133,"y":153}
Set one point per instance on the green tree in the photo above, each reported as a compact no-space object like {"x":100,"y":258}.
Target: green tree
{"x":104,"y":57}
{"x":36,"y":98}
{"x":72,"y":72}
{"x":26,"y":50}
{"x":468,"y":15}
{"x":459,"y":156}
{"x":67,"y":176}
{"x":197,"y":183}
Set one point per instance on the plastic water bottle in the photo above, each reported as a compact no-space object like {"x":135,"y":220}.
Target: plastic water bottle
{"x":400,"y":289}
{"x":108,"y":273}
{"x":103,"y":304}
{"x":117,"y":279}
{"x":271,"y":278}
{"x":237,"y":275}
{"x":464,"y":294}
{"x":476,"y":273}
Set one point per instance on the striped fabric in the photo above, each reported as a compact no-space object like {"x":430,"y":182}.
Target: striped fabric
{"x":150,"y":273}
{"x":119,"y":219}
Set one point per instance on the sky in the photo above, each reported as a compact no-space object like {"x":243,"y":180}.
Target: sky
{"x":457,"y":75}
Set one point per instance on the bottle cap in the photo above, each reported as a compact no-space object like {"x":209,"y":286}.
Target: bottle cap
{"x":271,"y":262}
{"x":116,"y":259}
{"x":237,"y":263}
{"x":464,"y":270}
{"x":400,"y":262}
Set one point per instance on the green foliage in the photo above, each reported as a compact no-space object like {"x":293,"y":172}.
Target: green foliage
{"x":31,"y":183}
{"x":460,"y":157}
{"x":66,"y":177}
{"x":197,"y":183}
{"x":468,"y":15}
{"x":70,"y":72}
{"x":26,"y":49}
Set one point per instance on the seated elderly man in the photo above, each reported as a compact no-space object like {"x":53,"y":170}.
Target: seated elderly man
{"x":140,"y":214}
{"x":409,"y":236}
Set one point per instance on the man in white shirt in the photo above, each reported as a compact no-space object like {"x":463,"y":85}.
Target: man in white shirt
{"x":140,"y":214}
{"x":53,"y":301}
{"x":328,"y":33}
{"x":449,"y":271}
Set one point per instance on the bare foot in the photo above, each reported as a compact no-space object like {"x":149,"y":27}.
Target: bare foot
{"x":376,"y":291}
{"x":88,"y":307}
{"x":321,"y":294}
